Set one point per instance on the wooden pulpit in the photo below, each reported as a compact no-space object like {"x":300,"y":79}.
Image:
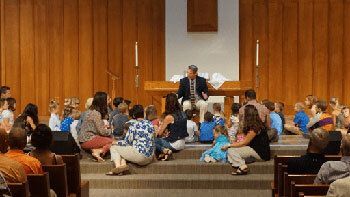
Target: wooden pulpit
{"x":228,"y":89}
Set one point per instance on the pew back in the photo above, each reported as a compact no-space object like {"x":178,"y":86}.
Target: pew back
{"x":39,"y":185}
{"x":278,"y":182}
{"x":308,"y":189}
{"x":19,"y":189}
{"x":58,"y":179}
{"x":298,"y":179}
{"x":75,"y":185}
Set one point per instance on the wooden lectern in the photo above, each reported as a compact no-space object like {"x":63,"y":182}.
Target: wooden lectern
{"x":228,"y":89}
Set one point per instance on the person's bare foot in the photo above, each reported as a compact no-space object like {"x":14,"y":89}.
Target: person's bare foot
{"x":96,"y":153}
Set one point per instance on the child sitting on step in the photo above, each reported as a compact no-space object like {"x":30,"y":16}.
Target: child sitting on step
{"x":279,"y":108}
{"x":151,"y":115}
{"x":300,"y":121}
{"x":119,"y":120}
{"x":54,"y":122}
{"x":166,"y":131}
{"x":240,"y":136}
{"x":7,"y":113}
{"x":275,"y":123}
{"x":215,"y":154}
{"x":233,"y":124}
{"x":219,"y":117}
{"x":206,"y":129}
{"x":67,"y":119}
{"x":192,"y":128}
{"x":73,"y":126}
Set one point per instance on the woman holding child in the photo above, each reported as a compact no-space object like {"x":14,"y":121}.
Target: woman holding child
{"x":173,"y":130}
{"x":255,"y":144}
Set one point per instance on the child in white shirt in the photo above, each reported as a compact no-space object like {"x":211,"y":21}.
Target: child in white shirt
{"x":73,"y":127}
{"x":192,"y":128}
{"x":7,"y":114}
{"x":54,"y":122}
{"x":233,"y":124}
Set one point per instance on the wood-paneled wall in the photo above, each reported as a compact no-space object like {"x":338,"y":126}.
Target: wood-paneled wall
{"x":304,"y":48}
{"x":63,"y":48}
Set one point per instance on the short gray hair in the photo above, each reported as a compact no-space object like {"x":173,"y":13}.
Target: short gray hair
{"x":345,"y":145}
{"x":193,"y":68}
{"x":319,"y":138}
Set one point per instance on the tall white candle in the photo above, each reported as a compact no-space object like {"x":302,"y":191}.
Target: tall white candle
{"x":257,"y":53}
{"x":136,"y":55}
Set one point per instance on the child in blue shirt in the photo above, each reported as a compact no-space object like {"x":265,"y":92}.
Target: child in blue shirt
{"x":206,"y":129}
{"x":67,"y":119}
{"x":275,"y":122}
{"x":216,"y":154}
{"x":300,"y":120}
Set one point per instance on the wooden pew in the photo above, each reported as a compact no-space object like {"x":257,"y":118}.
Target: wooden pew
{"x":58,"y":179}
{"x":298,"y":179}
{"x":281,"y":169}
{"x":301,"y":194}
{"x":39,"y":185}
{"x":308,"y":189}
{"x":76,"y":187}
{"x":19,"y":189}
{"x":283,"y":159}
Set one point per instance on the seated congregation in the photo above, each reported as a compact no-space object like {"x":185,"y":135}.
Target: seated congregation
{"x":134,"y":134}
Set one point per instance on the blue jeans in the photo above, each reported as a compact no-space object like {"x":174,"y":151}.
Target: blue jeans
{"x":161,"y":144}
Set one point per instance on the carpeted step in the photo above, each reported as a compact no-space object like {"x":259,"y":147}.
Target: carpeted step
{"x":196,"y":151}
{"x":179,"y":193}
{"x":179,"y":181}
{"x":177,"y":166}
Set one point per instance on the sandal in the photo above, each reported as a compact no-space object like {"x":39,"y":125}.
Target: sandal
{"x":167,"y":151}
{"x":161,"y":156}
{"x":118,"y":170}
{"x":240,"y":171}
{"x":112,"y":174}
{"x":168,"y":157}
